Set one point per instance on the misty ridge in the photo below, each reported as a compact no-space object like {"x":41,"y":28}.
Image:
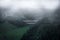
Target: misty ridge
{"x":13,"y":12}
{"x":19,"y":9}
{"x":10,"y":15}
{"x":45,"y":29}
{"x":29,"y":20}
{"x":22,"y":13}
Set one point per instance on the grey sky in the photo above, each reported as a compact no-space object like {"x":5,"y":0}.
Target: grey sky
{"x":29,"y":5}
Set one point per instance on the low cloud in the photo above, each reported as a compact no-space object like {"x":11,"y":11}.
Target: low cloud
{"x":38,"y":8}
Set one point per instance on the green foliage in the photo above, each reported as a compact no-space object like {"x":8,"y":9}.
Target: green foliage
{"x":4,"y":27}
{"x":16,"y":34}
{"x":11,"y":32}
{"x":43,"y":30}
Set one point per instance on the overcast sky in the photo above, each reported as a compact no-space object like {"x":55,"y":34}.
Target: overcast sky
{"x":30,"y":5}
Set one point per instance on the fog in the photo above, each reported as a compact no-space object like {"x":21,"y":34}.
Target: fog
{"x":37,"y":8}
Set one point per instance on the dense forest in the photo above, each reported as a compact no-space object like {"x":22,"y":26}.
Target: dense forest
{"x":44,"y":29}
{"x":29,"y":22}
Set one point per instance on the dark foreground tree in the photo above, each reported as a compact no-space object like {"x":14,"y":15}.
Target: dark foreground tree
{"x":44,"y":30}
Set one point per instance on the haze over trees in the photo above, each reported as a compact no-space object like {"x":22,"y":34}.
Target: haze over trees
{"x":44,"y":29}
{"x":14,"y":12}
